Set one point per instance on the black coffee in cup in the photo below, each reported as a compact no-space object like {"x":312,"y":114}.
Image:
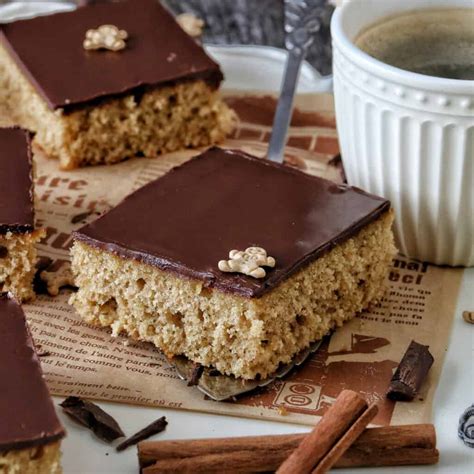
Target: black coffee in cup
{"x":434,"y":42}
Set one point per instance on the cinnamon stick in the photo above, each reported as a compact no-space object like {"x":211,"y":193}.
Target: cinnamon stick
{"x":386,"y":446}
{"x":274,"y":445}
{"x":330,"y":459}
{"x":347,"y":408}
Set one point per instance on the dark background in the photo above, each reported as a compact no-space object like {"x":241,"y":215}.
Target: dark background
{"x":256,"y":22}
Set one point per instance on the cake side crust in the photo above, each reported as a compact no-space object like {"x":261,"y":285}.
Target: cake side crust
{"x":165,"y":119}
{"x":37,"y":460}
{"x":17,"y":263}
{"x":245,"y":337}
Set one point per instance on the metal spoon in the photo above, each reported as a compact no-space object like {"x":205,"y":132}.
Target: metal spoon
{"x":301,"y":22}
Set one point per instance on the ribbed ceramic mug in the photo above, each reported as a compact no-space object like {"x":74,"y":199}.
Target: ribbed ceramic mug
{"x":407,"y":137}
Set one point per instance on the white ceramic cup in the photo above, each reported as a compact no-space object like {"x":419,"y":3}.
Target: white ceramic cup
{"x":407,"y":137}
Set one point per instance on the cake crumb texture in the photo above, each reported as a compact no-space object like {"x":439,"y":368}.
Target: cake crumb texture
{"x":245,"y":337}
{"x":35,"y":460}
{"x":17,"y":263}
{"x":189,"y":114}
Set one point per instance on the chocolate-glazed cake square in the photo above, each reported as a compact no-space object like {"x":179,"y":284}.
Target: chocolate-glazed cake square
{"x":138,"y":86}
{"x":30,"y":431}
{"x":17,"y":231}
{"x":158,"y":267}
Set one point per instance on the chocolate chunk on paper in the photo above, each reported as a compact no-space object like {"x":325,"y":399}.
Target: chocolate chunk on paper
{"x":93,"y":417}
{"x":156,"y":427}
{"x":410,"y":373}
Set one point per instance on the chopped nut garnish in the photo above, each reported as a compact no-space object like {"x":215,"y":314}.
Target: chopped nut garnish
{"x":105,"y":37}
{"x":248,"y":262}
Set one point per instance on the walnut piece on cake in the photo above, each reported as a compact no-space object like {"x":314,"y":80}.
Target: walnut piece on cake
{"x":158,"y":93}
{"x":30,"y":432}
{"x":149,"y":267}
{"x":18,"y":235}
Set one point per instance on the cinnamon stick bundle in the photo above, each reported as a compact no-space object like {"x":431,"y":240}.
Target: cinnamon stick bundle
{"x":387,"y":446}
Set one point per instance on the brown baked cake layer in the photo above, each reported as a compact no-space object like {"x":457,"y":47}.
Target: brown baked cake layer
{"x":150,"y":267}
{"x":157,"y":94}
{"x":17,"y":232}
{"x":30,"y":431}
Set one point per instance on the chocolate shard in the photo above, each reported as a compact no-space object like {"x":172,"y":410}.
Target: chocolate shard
{"x":156,"y":427}
{"x":93,"y":417}
{"x":196,"y":374}
{"x":410,"y":373}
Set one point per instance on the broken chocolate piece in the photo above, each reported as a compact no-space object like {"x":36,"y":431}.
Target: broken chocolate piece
{"x":156,"y":427}
{"x":410,"y":373}
{"x":93,"y":417}
{"x":196,"y":374}
{"x":3,"y":251}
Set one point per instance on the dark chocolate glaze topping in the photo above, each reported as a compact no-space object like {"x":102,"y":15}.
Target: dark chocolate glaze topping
{"x":49,"y":50}
{"x":27,"y":415}
{"x":16,"y":188}
{"x":189,"y":219}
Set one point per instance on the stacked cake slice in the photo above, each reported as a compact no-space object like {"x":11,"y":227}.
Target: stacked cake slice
{"x":17,"y":231}
{"x":233,"y":261}
{"x":111,"y":81}
{"x":30,"y":432}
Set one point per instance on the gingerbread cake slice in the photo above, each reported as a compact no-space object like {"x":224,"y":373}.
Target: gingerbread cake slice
{"x":30,"y":432}
{"x":18,"y":235}
{"x":110,"y":81}
{"x":233,"y":261}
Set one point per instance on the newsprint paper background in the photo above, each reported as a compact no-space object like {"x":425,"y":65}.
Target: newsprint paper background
{"x":88,"y":362}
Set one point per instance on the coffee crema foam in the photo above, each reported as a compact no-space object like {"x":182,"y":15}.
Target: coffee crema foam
{"x":434,"y":42}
